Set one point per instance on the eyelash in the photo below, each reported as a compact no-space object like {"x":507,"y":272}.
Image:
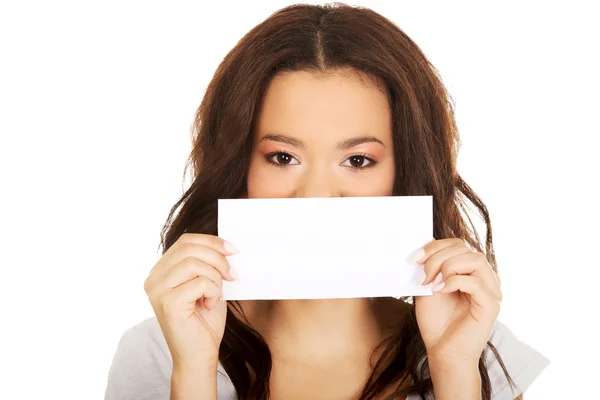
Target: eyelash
{"x":269,"y":156}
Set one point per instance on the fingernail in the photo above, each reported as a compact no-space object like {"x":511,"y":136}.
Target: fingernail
{"x":230,"y":248}
{"x":439,"y":287}
{"x":421,"y":277}
{"x":417,"y":256}
{"x":233,"y":273}
{"x":438,"y":279}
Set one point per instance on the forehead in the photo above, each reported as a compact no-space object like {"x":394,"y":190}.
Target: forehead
{"x":343,"y":103}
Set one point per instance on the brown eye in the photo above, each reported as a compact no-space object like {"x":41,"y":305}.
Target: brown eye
{"x":358,"y":161}
{"x":281,"y":159}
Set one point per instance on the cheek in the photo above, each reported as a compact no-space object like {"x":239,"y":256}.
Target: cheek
{"x":378,"y":183}
{"x":266,"y":181}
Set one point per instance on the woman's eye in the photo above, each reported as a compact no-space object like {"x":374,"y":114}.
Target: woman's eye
{"x":282,"y":159}
{"x":357,"y":162}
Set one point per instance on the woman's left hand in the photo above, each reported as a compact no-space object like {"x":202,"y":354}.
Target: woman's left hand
{"x":456,"y":322}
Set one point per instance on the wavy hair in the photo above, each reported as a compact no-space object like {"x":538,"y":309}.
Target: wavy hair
{"x":324,"y":39}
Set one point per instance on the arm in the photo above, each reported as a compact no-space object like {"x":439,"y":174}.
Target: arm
{"x":192,"y":384}
{"x":459,"y":382}
{"x":142,"y":369}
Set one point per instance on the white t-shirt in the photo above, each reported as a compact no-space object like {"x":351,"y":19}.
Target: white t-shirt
{"x":142,"y":366}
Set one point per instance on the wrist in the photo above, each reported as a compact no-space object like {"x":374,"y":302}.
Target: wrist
{"x":447,"y":365}
{"x":194,"y":382}
{"x":452,"y":380}
{"x":446,"y":362}
{"x":195,"y":366}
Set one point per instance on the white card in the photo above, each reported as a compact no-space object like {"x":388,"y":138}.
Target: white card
{"x":317,"y":248}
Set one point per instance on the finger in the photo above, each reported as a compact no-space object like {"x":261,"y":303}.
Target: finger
{"x":421,"y":256}
{"x":433,"y":264}
{"x":189,"y":269}
{"x":193,"y":290}
{"x":210,"y":241}
{"x":474,"y":264}
{"x":209,"y":303}
{"x":497,"y":276}
{"x":476,"y":288}
{"x":214,"y":242}
{"x":205,"y":254}
{"x":214,"y":302}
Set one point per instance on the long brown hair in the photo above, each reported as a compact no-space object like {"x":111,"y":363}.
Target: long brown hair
{"x":323,"y":39}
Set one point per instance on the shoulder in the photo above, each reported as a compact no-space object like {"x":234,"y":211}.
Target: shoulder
{"x":142,"y":366}
{"x":523,"y":363}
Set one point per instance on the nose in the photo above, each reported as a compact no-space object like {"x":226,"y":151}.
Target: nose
{"x":317,"y":182}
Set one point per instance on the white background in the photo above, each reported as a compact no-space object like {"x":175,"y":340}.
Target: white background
{"x":96,"y":103}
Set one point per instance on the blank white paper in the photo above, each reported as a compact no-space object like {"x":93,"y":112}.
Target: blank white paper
{"x":318,"y":248}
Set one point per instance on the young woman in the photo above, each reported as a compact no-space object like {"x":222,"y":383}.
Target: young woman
{"x":321,"y":101}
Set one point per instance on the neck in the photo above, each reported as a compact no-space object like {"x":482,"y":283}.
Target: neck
{"x":319,"y":331}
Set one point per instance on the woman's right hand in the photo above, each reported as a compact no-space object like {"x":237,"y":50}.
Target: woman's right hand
{"x":184,"y":288}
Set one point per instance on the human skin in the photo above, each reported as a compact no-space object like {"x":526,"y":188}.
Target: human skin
{"x":326,"y":136}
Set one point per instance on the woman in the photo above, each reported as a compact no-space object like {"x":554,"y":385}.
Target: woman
{"x":270,"y":125}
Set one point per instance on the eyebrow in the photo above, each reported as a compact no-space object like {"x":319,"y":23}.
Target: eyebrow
{"x":343,"y":145}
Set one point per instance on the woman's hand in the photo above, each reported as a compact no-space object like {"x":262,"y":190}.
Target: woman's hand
{"x":456,"y":322}
{"x":184,"y":288}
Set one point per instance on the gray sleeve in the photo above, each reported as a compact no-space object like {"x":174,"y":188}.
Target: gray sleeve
{"x":140,"y":369}
{"x":523,"y":363}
